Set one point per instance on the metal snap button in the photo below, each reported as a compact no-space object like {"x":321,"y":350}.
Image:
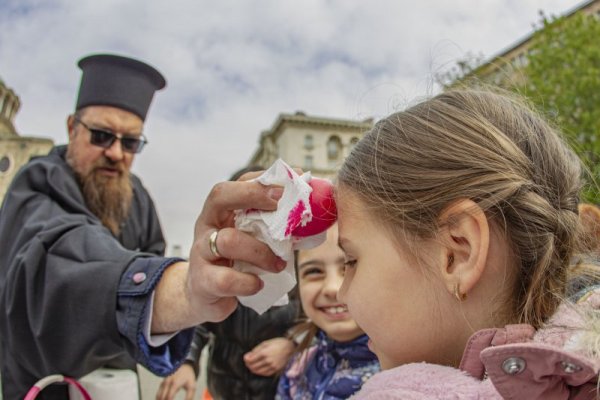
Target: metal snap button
{"x":570,"y":368}
{"x":513,"y":365}
{"x":139,"y":277}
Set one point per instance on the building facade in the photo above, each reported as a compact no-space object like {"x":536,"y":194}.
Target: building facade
{"x":15,"y":150}
{"x":504,"y":68}
{"x":315,"y":144}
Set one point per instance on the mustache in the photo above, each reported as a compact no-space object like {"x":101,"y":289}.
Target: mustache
{"x":108,"y":163}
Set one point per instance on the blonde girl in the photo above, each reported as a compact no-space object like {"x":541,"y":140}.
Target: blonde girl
{"x":458,"y":219}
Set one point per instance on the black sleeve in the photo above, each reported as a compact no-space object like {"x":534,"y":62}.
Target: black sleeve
{"x":201,"y":339}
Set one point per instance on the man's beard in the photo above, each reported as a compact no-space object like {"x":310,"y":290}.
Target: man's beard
{"x":109,"y":198}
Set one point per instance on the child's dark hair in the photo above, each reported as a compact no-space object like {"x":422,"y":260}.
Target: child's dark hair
{"x":589,"y":216}
{"x":304,"y":331}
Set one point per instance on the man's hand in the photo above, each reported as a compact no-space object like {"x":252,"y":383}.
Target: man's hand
{"x":270,"y":356}
{"x":183,"y":378}
{"x":205,"y":289}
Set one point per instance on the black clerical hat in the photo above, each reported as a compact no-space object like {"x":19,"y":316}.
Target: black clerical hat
{"x":117,"y":81}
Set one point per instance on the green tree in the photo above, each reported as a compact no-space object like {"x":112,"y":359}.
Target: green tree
{"x":562,"y":77}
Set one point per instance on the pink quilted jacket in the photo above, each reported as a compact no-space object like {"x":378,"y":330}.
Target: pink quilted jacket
{"x":559,"y":362}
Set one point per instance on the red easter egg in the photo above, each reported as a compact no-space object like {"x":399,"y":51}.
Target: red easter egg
{"x":322,"y":204}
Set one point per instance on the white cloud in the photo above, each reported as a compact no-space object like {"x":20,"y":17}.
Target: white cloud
{"x":232,"y":66}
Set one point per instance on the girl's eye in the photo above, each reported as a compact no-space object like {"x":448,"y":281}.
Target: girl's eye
{"x":311,"y":272}
{"x":350,"y":264}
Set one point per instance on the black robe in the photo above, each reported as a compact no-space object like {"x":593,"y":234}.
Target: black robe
{"x":60,"y":271}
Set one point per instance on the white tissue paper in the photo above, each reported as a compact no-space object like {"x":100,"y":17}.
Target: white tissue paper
{"x":274,"y":228}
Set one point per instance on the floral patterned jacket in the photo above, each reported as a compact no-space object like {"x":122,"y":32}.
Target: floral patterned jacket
{"x":328,"y":370}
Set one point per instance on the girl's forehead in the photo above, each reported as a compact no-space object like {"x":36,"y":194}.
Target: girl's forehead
{"x":347,"y":200}
{"x":351,"y":209}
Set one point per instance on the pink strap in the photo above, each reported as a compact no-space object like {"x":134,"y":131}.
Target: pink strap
{"x":51,"y":379}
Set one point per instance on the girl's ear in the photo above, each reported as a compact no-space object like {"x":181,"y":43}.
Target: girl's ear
{"x":465,"y":237}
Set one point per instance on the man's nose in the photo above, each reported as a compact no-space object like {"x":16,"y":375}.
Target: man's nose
{"x":115,"y":151}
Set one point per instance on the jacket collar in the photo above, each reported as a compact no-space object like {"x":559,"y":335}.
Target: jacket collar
{"x":552,"y":363}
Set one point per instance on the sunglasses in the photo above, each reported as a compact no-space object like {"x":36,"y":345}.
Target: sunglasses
{"x":105,"y":139}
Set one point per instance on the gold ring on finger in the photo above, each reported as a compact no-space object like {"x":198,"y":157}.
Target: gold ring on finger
{"x":212,"y":243}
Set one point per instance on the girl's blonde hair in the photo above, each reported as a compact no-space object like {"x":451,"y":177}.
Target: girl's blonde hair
{"x":490,"y":148}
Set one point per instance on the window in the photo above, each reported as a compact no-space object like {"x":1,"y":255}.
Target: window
{"x":308,"y":162}
{"x":4,"y":164}
{"x":308,"y":142}
{"x":8,"y":107}
{"x":353,"y":142}
{"x":520,"y":60}
{"x":334,"y":148}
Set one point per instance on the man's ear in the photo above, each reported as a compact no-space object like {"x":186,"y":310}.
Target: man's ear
{"x":71,"y":126}
{"x":465,"y":237}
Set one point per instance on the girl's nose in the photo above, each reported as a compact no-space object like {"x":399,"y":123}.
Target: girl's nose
{"x":331,"y":285}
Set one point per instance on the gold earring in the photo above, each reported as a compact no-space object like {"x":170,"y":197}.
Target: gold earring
{"x":460,"y":296}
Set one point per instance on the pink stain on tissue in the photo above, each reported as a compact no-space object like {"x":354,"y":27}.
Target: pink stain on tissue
{"x":294,"y":217}
{"x":290,"y":174}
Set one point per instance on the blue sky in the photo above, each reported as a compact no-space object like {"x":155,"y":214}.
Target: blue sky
{"x":233,"y":66}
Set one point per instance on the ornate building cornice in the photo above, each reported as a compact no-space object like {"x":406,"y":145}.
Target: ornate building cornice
{"x":9,"y":105}
{"x":269,"y":137}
